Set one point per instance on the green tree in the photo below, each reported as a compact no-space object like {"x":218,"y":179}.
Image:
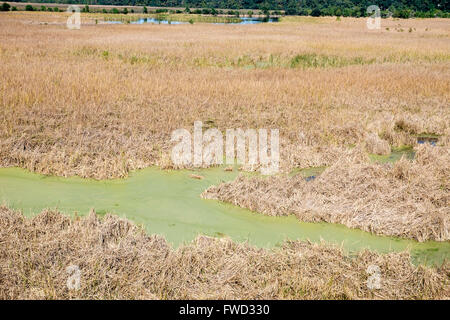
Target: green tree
{"x":355,"y":8}
{"x":265,"y":7}
{"x":316,"y":12}
{"x":402,"y":14}
{"x":5,"y":7}
{"x":292,"y":8}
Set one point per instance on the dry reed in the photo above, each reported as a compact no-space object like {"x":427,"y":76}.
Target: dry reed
{"x":117,"y":260}
{"x":101,"y":101}
{"x":406,"y":199}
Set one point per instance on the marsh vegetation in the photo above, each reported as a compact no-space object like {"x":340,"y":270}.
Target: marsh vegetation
{"x":119,"y":261}
{"x":102,"y":101}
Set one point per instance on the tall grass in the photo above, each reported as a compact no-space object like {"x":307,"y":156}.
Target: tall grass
{"x":105,"y":102}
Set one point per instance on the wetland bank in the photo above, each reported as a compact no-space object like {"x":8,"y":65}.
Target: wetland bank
{"x":169,"y":204}
{"x":83,"y":112}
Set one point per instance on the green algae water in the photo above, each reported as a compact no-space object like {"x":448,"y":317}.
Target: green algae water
{"x":168,"y":203}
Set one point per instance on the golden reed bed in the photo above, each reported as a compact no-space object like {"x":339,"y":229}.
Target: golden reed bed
{"x":101,"y":101}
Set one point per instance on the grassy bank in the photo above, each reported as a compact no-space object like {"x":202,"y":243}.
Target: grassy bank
{"x":102,"y":101}
{"x":117,"y":260}
{"x":405,"y":199}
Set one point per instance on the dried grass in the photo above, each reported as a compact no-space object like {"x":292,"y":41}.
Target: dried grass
{"x":102,"y":101}
{"x":118,"y":261}
{"x":373,"y":144}
{"x":408,"y":199}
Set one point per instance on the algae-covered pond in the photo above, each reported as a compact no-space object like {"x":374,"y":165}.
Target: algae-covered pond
{"x":168,"y":203}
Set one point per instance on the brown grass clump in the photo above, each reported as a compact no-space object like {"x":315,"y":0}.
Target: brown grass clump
{"x":117,"y":260}
{"x":408,"y":199}
{"x":373,"y":144}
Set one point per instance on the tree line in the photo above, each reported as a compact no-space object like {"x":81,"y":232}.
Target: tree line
{"x":353,"y":8}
